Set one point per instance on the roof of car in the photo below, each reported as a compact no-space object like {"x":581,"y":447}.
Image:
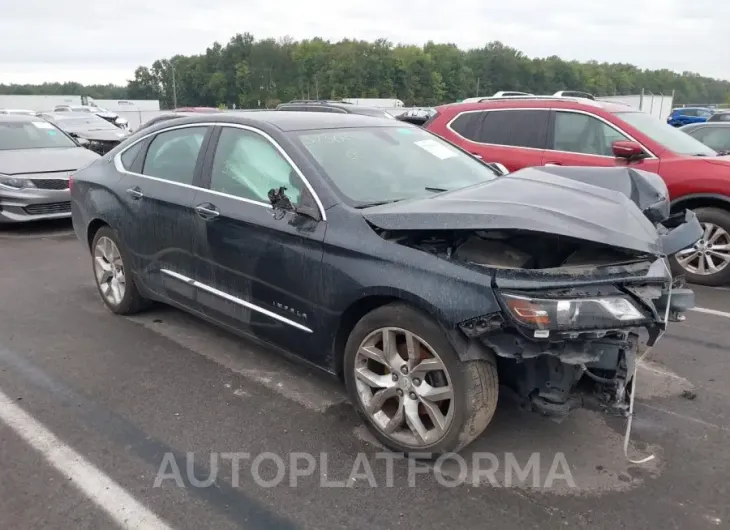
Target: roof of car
{"x":693,"y":126}
{"x":19,"y":118}
{"x":539,"y":102}
{"x":337,"y":104}
{"x":286,"y":121}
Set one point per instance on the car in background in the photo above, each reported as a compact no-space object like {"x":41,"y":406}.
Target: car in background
{"x":88,"y":129}
{"x":197,"y":109}
{"x":450,"y":279}
{"x":720,"y":115}
{"x":686,"y":115}
{"x":416,"y":115}
{"x":23,"y":112}
{"x":340,"y":107}
{"x":715,"y":135}
{"x":523,"y":132}
{"x":36,"y":160}
{"x":111,"y":117}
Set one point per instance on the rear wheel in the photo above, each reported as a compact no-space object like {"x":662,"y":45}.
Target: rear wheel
{"x":708,"y":261}
{"x":410,"y":386}
{"x":112,"y":274}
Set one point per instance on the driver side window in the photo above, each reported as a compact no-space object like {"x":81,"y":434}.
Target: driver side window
{"x":581,"y":133}
{"x":247,"y":165}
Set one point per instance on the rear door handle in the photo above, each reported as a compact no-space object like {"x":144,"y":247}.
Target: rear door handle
{"x":207,"y":211}
{"x":135,"y":193}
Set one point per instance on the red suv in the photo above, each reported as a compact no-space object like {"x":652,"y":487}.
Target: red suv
{"x":522,"y":132}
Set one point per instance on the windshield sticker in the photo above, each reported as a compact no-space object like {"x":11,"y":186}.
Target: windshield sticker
{"x":51,"y":132}
{"x":404,"y":131}
{"x":42,"y":124}
{"x":436,"y":149}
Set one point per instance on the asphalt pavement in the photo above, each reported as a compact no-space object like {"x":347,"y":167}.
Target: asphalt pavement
{"x":163,"y":421}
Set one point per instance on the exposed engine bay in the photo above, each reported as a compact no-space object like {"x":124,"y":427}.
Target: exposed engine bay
{"x":512,"y":249}
{"x":587,"y":362}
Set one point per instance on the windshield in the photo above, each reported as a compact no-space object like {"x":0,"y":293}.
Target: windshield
{"x":675,"y":140}
{"x":84,"y":121}
{"x":31,"y":135}
{"x":371,"y":165}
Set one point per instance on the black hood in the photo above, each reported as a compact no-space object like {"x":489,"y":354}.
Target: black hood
{"x":531,"y":199}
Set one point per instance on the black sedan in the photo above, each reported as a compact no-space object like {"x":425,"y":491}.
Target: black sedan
{"x":391,"y":258}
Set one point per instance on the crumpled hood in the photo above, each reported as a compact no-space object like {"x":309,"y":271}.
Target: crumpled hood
{"x":103,"y":135}
{"x":533,"y":200}
{"x":31,"y":161}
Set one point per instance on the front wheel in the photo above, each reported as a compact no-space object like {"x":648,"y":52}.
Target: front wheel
{"x":708,"y":261}
{"x":113,"y":276}
{"x":408,"y":383}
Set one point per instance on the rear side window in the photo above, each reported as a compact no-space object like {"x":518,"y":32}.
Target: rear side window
{"x":130,"y":155}
{"x":172,"y":155}
{"x":687,"y":112}
{"x":518,"y":128}
{"x":721,"y":116}
{"x":468,"y":125}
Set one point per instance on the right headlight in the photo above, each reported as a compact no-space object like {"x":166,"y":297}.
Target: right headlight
{"x":573,"y":313}
{"x":15,"y":183}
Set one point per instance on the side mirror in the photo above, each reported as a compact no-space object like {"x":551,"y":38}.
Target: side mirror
{"x":281,"y":204}
{"x":628,"y":150}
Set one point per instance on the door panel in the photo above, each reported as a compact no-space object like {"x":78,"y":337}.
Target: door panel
{"x":261,"y":266}
{"x":159,"y":203}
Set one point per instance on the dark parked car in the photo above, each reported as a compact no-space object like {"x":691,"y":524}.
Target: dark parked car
{"x":90,"y":130}
{"x":338,"y":107}
{"x":715,"y":135}
{"x":719,"y":115}
{"x":36,"y":159}
{"x":383,"y":254}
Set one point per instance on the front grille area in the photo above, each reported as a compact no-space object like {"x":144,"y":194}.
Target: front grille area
{"x":51,"y":184}
{"x":48,"y":208}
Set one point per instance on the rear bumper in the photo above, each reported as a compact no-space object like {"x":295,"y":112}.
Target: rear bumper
{"x":34,"y":205}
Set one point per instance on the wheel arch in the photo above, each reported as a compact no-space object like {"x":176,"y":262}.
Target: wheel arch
{"x":94,"y":226}
{"x":701,"y":200}
{"x":466,"y":349}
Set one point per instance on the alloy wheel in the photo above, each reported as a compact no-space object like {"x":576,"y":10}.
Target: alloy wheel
{"x":109,"y":271}
{"x":710,"y":255}
{"x":404,"y":387}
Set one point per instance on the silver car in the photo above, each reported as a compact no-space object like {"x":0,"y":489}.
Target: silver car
{"x":36,"y":160}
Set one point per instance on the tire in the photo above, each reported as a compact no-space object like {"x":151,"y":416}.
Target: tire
{"x":719,"y":218}
{"x":132,"y":301}
{"x":474,"y":384}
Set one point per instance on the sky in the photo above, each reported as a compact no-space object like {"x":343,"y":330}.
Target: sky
{"x":103,"y":42}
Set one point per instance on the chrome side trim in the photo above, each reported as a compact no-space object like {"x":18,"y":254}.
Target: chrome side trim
{"x":651,"y":156}
{"x":119,"y":167}
{"x":234,"y":299}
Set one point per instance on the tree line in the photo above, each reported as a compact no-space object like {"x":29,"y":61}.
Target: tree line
{"x":250,"y":73}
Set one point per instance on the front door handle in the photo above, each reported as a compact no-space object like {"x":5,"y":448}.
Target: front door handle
{"x":207,"y":211}
{"x":135,"y":193}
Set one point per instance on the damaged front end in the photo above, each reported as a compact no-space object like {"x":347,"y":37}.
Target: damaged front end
{"x":582,"y":294}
